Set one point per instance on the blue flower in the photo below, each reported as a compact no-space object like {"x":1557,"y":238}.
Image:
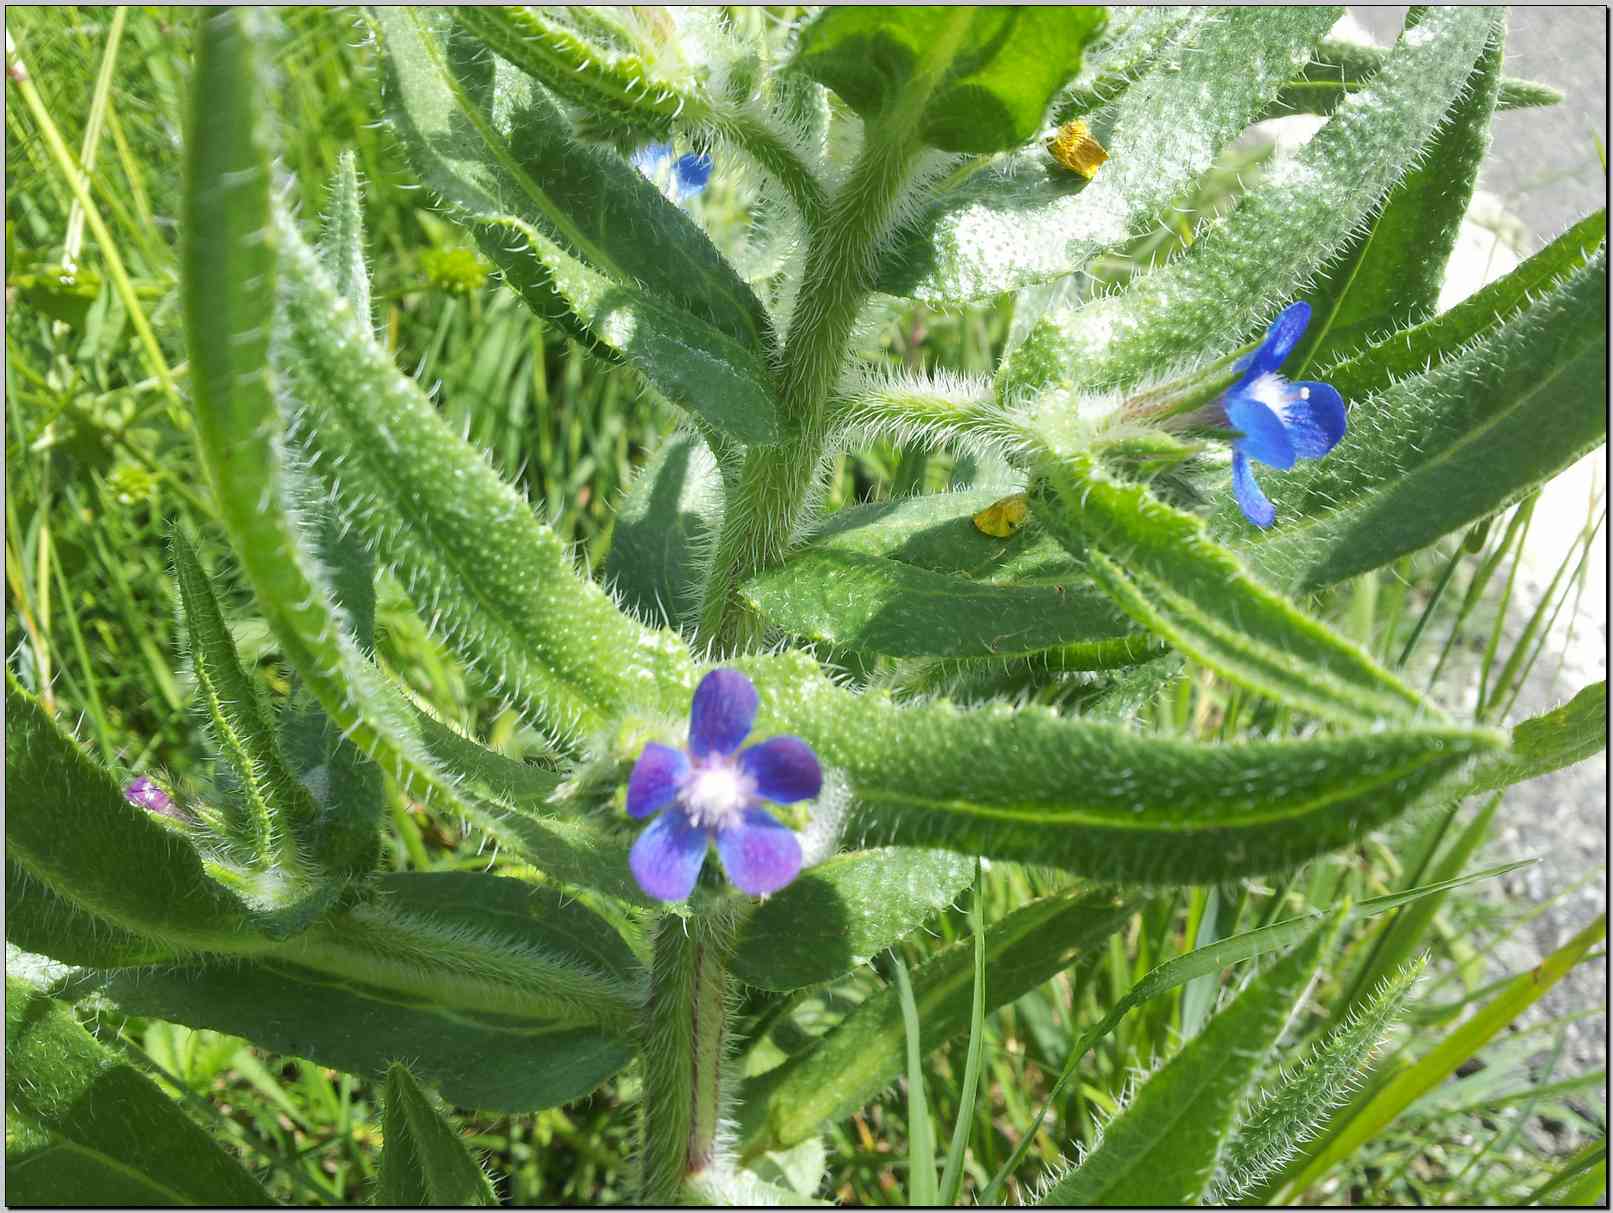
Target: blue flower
{"x":1280,"y":421}
{"x":689,"y":172}
{"x":713,"y":788}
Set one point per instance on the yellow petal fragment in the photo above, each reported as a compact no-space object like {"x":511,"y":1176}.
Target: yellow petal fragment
{"x":1074,"y":147}
{"x":1002,"y":518}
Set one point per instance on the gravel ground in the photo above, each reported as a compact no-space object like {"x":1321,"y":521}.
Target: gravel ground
{"x":1544,"y":173}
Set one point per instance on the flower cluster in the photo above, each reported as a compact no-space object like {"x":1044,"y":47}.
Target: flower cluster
{"x":1280,"y":421}
{"x":713,"y":789}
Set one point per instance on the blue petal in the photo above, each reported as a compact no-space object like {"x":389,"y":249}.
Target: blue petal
{"x":654,"y":782}
{"x":785,"y":769}
{"x":693,"y":171}
{"x":1264,"y":436}
{"x":667,"y":857}
{"x":1254,"y":504}
{"x":1280,"y":340}
{"x":759,"y":855}
{"x":723,"y":710}
{"x":1315,"y":419}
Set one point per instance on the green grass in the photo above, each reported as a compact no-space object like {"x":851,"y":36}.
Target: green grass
{"x":100,"y":466}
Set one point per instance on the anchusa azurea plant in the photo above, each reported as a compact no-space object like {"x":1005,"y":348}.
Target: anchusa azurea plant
{"x":863,"y":703}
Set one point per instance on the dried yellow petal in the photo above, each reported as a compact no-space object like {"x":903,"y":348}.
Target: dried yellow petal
{"x":1075,"y":148}
{"x":1002,"y":518}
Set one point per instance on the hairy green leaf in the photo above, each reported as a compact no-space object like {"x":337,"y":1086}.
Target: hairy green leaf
{"x":846,"y":1068}
{"x":837,"y":915}
{"x":39,"y":921}
{"x":1415,"y":1078}
{"x":1163,"y":1147}
{"x":1293,"y":1112}
{"x":1298,"y":217}
{"x":873,"y":605}
{"x":1444,"y":449}
{"x":1546,"y":743}
{"x":424,"y":1161}
{"x":1160,"y":566}
{"x":280,"y":815}
{"x":664,"y":528}
{"x":1094,"y":799}
{"x":70,"y":829}
{"x":1031,"y":221}
{"x":468,"y":548}
{"x":1391,"y":273}
{"x":503,"y":1063}
{"x":1415,"y":350}
{"x":341,"y":240}
{"x":987,"y":91}
{"x":1338,"y":68}
{"x":84,"y":1127}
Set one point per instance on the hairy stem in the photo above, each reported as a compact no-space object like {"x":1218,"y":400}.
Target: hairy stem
{"x":684,"y":1035}
{"x":776,"y":484}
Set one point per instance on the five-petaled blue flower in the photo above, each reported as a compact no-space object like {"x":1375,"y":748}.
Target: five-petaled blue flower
{"x":715,"y":788}
{"x":690,"y":171}
{"x":1280,"y":421}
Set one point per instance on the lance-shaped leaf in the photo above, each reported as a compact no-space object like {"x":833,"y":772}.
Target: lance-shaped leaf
{"x":989,"y":72}
{"x":1291,"y":1113}
{"x":1412,"y":1080}
{"x":84,"y":1127}
{"x":1162,"y":1148}
{"x":836,"y":916}
{"x":1134,"y":38}
{"x":467,"y":547}
{"x":850,"y":1065}
{"x":1415,"y":350}
{"x":230,"y":263}
{"x":1030,"y":221}
{"x":1094,"y":799}
{"x":278,"y":812}
{"x":1391,"y":272}
{"x":341,"y":238}
{"x":1160,"y":566}
{"x":1338,"y":68}
{"x":39,"y":921}
{"x":872,"y":605}
{"x":1300,"y":214}
{"x":1442,"y":450}
{"x":424,"y":1161}
{"x":1546,"y":743}
{"x":667,"y":522}
{"x":503,"y":1063}
{"x":481,"y":943}
{"x":582,"y":234}
{"x":69,"y":828}
{"x":502,"y":994}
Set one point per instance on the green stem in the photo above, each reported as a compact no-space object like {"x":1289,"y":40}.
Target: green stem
{"x":684,"y":1035}
{"x":775,"y":486}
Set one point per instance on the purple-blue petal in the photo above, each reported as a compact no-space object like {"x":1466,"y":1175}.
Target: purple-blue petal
{"x":1279,"y":342}
{"x":693,"y":171}
{"x":667,"y":857}
{"x":1264,"y":436}
{"x":1256,"y":507}
{"x":785,"y":769}
{"x":1315,"y":419}
{"x":722,"y":713}
{"x":654,"y":782}
{"x":759,"y":855}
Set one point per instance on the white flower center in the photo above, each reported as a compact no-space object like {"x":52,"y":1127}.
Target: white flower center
{"x":714,"y":795}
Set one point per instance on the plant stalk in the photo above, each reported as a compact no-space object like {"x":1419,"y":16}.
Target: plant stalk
{"x":684,"y":1039}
